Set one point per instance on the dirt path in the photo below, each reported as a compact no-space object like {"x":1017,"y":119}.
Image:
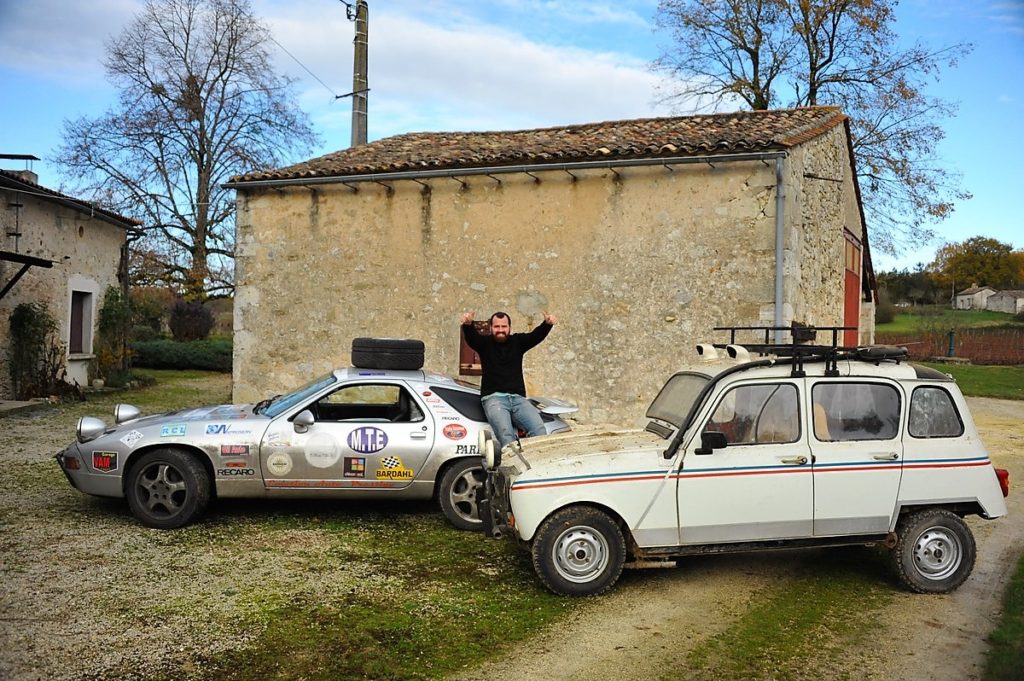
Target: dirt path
{"x":652,"y":621}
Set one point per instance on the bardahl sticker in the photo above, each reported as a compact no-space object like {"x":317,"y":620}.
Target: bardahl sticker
{"x":367,"y":440}
{"x":322,"y":451}
{"x":391,"y":468}
{"x":279,"y":464}
{"x":132,"y":437}
{"x":104,"y":461}
{"x":454,"y":431}
{"x":174,"y":430}
{"x":355,"y":466}
{"x":234,"y":450}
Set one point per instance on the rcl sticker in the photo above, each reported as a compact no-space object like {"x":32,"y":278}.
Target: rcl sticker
{"x":454,"y":431}
{"x":367,"y":440}
{"x":104,"y":461}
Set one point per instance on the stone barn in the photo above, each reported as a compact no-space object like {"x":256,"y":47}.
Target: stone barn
{"x":640,"y":235}
{"x":60,"y":251}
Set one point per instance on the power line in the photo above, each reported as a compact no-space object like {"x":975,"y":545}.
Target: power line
{"x":304,"y":67}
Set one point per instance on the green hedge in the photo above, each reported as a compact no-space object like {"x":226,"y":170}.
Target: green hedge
{"x":214,"y":355}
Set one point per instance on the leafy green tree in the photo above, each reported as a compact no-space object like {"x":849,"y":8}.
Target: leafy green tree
{"x":980,"y":260}
{"x":782,"y":53}
{"x":199,"y":102}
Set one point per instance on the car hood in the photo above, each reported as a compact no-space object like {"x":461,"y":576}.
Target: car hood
{"x":591,"y":450}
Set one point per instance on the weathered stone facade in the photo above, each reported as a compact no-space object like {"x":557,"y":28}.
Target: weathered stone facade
{"x":638,"y":263}
{"x":85,"y":249}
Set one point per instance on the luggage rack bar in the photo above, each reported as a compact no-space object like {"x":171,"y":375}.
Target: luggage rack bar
{"x":801,"y":350}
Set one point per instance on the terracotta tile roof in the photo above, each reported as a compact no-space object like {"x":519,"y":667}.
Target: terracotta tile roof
{"x":747,"y":131}
{"x":15,"y":181}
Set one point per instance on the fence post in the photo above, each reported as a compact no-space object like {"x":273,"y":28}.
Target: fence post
{"x":952,"y":344}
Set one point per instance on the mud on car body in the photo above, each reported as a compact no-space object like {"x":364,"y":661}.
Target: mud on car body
{"x":758,"y":447}
{"x":384,"y":430}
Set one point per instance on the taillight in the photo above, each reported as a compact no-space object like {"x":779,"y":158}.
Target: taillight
{"x":1004,"y":480}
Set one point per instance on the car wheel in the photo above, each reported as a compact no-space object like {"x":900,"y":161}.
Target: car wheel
{"x":457,"y":493}
{"x":934,"y":551}
{"x":579,"y":551}
{"x":167,"y":488}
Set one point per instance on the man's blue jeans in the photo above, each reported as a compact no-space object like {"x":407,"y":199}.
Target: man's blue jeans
{"x":505,"y":412}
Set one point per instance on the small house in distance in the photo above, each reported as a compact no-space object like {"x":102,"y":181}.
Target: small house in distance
{"x":974,"y":298}
{"x":1011,"y":302}
{"x":640,"y":235}
{"x":61,"y":251}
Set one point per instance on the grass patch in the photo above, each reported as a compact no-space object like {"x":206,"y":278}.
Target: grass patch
{"x":1006,"y":656}
{"x":926,"y":317}
{"x":977,"y":380}
{"x":800,"y":625}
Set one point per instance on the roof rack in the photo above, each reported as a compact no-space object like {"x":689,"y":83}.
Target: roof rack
{"x":802,"y":349}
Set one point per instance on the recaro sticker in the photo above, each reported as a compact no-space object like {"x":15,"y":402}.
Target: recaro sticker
{"x":279,"y":464}
{"x":104,"y":461}
{"x":367,"y":440}
{"x":391,"y":468}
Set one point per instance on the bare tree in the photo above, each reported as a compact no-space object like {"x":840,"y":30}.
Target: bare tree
{"x":198,"y":102}
{"x":782,"y":53}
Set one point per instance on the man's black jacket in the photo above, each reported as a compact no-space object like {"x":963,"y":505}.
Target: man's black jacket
{"x":502,"y":363}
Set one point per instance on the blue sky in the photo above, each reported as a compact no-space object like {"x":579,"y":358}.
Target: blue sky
{"x":499,"y":64}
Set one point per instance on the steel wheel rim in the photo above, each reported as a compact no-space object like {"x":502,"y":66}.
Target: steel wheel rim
{"x":937,"y":553}
{"x":162,"y":489}
{"x":462,"y":494}
{"x":580,"y":554}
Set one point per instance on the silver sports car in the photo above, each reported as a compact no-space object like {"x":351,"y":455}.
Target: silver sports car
{"x":355,"y":433}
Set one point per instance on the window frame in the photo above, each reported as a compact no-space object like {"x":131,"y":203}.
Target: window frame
{"x":952,"y":402}
{"x":758,"y":384}
{"x":884,"y":383}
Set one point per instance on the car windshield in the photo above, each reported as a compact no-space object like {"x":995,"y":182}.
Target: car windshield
{"x":281,"y":404}
{"x":674,"y":401}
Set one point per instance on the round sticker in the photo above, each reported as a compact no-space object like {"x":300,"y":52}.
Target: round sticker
{"x":322,"y":451}
{"x":367,"y":440}
{"x":454,"y":431}
{"x":280,"y":463}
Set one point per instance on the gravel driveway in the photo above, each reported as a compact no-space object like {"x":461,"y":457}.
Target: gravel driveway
{"x":86,"y":592}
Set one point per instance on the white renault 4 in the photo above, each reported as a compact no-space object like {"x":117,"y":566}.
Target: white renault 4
{"x":758,"y":446}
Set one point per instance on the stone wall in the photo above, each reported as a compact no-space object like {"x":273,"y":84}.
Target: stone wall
{"x":85,"y":252}
{"x":638,"y":265}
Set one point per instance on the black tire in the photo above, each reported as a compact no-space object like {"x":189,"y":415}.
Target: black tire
{"x":934,"y":552}
{"x":387,"y":353}
{"x":457,"y":494}
{"x":167,"y":488}
{"x":579,"y":551}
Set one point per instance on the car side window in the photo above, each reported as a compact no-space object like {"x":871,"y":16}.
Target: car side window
{"x":372,"y":402}
{"x":933,"y":414}
{"x":846,"y":412}
{"x":758,"y":414}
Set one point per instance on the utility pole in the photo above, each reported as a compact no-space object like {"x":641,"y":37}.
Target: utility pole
{"x":360,"y":86}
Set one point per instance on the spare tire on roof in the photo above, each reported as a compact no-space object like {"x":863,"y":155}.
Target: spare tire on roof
{"x":387,"y":353}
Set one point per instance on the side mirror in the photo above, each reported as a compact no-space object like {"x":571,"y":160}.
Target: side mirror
{"x":711,"y":440}
{"x":303,"y":420}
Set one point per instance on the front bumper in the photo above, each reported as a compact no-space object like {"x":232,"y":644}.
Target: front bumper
{"x":494,"y":508}
{"x":85,"y":480}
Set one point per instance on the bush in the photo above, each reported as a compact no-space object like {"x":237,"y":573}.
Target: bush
{"x":885,"y":313}
{"x":143,"y":332}
{"x":111,"y":346}
{"x":34,"y":356}
{"x":1019,"y":316}
{"x":190,"y":321}
{"x":150,"y":306}
{"x":213,"y":355}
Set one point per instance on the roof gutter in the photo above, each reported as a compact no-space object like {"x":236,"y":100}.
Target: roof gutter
{"x":780,"y":245}
{"x":709,"y":159}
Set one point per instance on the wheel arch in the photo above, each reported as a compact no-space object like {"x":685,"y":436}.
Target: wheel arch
{"x":960,"y":508}
{"x":608,"y":510}
{"x":191,"y":450}
{"x":443,"y":468}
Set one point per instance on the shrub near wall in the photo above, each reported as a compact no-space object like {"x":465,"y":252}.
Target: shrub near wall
{"x":981,"y":346}
{"x":212,"y":355}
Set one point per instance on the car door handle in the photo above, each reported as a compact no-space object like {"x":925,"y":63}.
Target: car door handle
{"x":418,"y":436}
{"x":888,"y":456}
{"x":796,"y":460}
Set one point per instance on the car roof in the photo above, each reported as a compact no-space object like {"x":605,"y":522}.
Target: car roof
{"x":434,"y":378}
{"x":847,"y":368}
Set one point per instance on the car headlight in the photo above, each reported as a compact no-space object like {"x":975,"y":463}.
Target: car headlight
{"x":89,"y":428}
{"x":126,"y":412}
{"x":492,"y":457}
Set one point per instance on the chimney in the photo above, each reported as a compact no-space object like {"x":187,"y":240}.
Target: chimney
{"x":26,"y":175}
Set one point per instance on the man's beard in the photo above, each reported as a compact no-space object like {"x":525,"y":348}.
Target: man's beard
{"x":501,"y":337}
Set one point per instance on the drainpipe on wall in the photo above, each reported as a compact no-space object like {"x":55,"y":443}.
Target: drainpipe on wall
{"x":780,"y":203}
